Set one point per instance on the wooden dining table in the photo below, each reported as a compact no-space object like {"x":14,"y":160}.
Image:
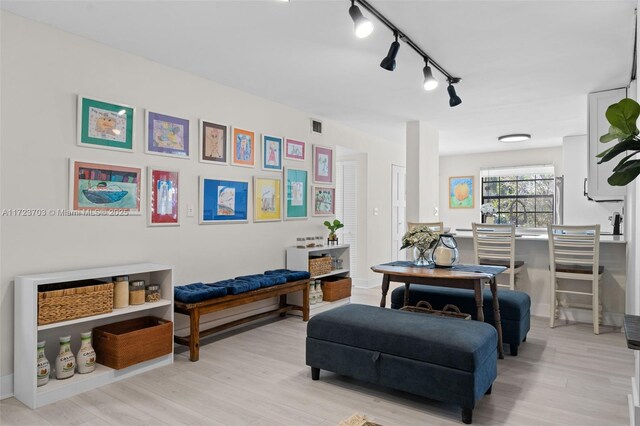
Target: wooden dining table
{"x":470,"y":277}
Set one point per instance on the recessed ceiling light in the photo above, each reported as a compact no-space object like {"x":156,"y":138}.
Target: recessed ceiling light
{"x":519,"y":137}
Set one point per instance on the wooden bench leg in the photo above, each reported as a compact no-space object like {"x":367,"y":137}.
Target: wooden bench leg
{"x":305,"y":303}
{"x":467,"y":415}
{"x":194,"y":336}
{"x":283,"y":303}
{"x":315,"y":373}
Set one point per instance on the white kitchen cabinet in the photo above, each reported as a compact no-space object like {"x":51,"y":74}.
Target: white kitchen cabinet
{"x":597,"y":186}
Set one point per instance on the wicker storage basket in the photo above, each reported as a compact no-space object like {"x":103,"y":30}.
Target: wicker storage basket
{"x":319,"y":265}
{"x":336,"y":288}
{"x":59,"y":302}
{"x":122,"y":344}
{"x":450,"y":311}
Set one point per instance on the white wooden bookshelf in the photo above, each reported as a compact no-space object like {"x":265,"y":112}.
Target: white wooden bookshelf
{"x":298,"y":260}
{"x":28,"y":333}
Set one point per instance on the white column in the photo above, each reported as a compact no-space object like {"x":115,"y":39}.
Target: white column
{"x":422,"y":172}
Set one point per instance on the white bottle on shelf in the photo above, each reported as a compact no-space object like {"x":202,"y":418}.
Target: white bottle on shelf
{"x":319,"y":291}
{"x":86,"y":355}
{"x":65,"y":362}
{"x":312,"y":293}
{"x":44,"y":368}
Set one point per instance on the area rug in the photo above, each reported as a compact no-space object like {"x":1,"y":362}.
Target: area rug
{"x":357,"y":420}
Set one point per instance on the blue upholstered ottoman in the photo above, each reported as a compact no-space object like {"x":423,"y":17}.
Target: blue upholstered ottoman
{"x":515,"y":308}
{"x":445,"y":359}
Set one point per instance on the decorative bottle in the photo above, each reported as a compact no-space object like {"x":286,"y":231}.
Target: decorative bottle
{"x":43,"y":365}
{"x":86,"y":354}
{"x":319,"y":291}
{"x":312,"y":293}
{"x":65,"y":362}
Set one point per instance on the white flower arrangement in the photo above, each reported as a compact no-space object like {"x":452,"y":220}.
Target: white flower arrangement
{"x":487,"y":208}
{"x":420,"y":237}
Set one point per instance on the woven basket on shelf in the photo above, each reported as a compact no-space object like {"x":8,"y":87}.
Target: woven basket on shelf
{"x":336,"y":288}
{"x":63,"y":304}
{"x":424,"y":307}
{"x":319,"y":265}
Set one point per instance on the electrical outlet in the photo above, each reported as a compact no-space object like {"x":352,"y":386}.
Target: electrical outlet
{"x":376,"y":211}
{"x":190,"y":211}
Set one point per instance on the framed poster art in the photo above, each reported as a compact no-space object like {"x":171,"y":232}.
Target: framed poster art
{"x":461,"y":192}
{"x":324,"y":201}
{"x":214,"y":141}
{"x":103,"y":124}
{"x":243,"y":147}
{"x":296,"y":194}
{"x":166,"y":135}
{"x":223,"y":201}
{"x":322,"y":165}
{"x":294,"y":150}
{"x":267,"y":199}
{"x":163,"y":192}
{"x":104,"y":188}
{"x":271,"y":153}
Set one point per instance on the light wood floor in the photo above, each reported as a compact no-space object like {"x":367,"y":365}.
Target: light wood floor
{"x":564,"y":376}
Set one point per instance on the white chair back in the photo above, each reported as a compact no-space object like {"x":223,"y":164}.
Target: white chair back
{"x":574,"y":248}
{"x":496,"y":244}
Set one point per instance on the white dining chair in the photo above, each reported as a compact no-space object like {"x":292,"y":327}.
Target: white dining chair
{"x":495,"y":245}
{"x":574,"y":255}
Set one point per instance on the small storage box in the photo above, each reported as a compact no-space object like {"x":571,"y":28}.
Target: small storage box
{"x":122,"y":344}
{"x":67,"y":301}
{"x":336,"y":288}
{"x":319,"y":265}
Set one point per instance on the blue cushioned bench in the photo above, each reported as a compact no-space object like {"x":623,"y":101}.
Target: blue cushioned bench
{"x":515,"y":307}
{"x":445,"y":359}
{"x":199,"y":299}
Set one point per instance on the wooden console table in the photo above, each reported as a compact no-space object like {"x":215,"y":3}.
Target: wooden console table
{"x":195,"y":310}
{"x":471,"y":277}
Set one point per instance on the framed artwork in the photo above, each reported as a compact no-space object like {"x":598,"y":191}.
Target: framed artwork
{"x":214,"y":141}
{"x":322,"y":164}
{"x":461,"y":192}
{"x":243,"y":147}
{"x":267,"y":199}
{"x":294,"y":150}
{"x":166,"y":135}
{"x":105,"y":188}
{"x":105,"y":125}
{"x":296,"y":184}
{"x":271,"y":153}
{"x":223,"y":201}
{"x":164,"y":206}
{"x":324,"y":201}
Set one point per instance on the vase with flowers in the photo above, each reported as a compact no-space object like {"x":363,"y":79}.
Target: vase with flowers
{"x":422,"y":240}
{"x":488,"y":211}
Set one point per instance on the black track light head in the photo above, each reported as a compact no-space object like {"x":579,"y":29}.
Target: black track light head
{"x":454,"y":99}
{"x":389,"y":62}
{"x":362,"y":26}
{"x":430,"y":82}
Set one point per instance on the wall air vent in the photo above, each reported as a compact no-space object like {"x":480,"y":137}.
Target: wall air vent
{"x":316,"y":126}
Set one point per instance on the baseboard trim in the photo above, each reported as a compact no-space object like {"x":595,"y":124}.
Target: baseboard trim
{"x":615,"y":319}
{"x":6,"y":386}
{"x":359,"y":282}
{"x":367,"y":283}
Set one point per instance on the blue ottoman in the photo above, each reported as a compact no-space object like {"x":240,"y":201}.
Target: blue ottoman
{"x":445,"y":359}
{"x":515,"y":307}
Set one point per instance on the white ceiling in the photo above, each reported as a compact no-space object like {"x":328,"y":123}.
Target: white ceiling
{"x":526,"y":65}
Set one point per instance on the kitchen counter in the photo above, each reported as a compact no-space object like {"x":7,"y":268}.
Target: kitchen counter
{"x":616,"y":239}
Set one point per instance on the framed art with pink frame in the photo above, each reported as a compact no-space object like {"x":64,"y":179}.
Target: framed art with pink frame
{"x":322,"y":165}
{"x":294,"y":150}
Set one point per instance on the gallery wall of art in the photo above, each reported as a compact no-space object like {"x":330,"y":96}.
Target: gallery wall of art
{"x":43,"y":166}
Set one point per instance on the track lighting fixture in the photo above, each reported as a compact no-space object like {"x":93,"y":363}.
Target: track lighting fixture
{"x":454,"y":99}
{"x":389,"y":62}
{"x":362,"y":26}
{"x":430,"y":82}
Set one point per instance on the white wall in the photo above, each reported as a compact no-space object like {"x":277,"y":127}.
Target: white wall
{"x":43,"y":69}
{"x":470,"y":165}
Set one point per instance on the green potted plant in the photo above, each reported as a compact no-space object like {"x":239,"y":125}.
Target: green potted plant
{"x":333,"y":227}
{"x":622,"y":116}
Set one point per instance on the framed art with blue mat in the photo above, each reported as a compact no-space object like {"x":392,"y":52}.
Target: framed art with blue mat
{"x":223,"y":201}
{"x":297,"y":194}
{"x":271,"y":153}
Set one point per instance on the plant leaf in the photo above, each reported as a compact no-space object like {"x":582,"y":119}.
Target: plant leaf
{"x":623,"y":162}
{"x":614,"y":133}
{"x":625,"y":145}
{"x":624,"y":177}
{"x":327,"y":223}
{"x":624,"y":115}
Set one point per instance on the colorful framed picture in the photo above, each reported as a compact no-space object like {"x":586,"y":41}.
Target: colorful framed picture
{"x":271,"y":153}
{"x":294,"y":150}
{"x":223,"y":201}
{"x":461,"y":192}
{"x":296,"y":187}
{"x":214,"y":141}
{"x":166,"y":135}
{"x":322,"y":165}
{"x":267,"y":199}
{"x":164,"y":205}
{"x":324,"y":201}
{"x":243,"y":147}
{"x":105,"y":125}
{"x":106,"y":188}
